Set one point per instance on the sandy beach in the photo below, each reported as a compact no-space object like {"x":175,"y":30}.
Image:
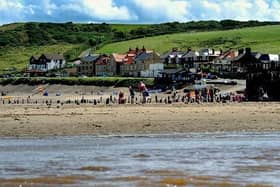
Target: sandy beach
{"x":40,"y":120}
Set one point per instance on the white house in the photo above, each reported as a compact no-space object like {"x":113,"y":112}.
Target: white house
{"x":154,"y":70}
{"x":46,"y":62}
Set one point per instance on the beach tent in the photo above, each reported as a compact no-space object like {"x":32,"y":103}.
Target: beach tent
{"x":46,"y":93}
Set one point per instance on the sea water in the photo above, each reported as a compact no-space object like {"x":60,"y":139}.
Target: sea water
{"x":215,"y":159}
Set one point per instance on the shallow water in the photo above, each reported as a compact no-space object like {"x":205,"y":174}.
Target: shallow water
{"x":161,"y":160}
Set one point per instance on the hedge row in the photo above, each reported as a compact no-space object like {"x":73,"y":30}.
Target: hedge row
{"x":93,"y":81}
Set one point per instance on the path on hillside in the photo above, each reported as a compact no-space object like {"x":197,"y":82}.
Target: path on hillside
{"x":85,"y":53}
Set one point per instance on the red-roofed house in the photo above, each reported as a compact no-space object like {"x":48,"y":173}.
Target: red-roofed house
{"x":223,"y":63}
{"x":135,"y":61}
{"x":105,"y":66}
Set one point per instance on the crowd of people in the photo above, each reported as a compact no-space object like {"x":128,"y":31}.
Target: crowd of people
{"x":140,"y":95}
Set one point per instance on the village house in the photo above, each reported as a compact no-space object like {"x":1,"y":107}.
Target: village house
{"x":72,"y":68}
{"x":209,"y":54}
{"x":172,"y":75}
{"x":205,"y":59}
{"x":191,"y":59}
{"x":152,"y":64}
{"x":268,"y":61}
{"x":173,"y":57}
{"x":87,"y":65}
{"x":104,"y":66}
{"x":275,"y":61}
{"x":45,"y":63}
{"x":241,"y":62}
{"x":137,"y":62}
{"x":223,"y":63}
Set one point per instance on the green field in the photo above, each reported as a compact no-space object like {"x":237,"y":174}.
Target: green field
{"x":264,"y":39}
{"x":128,"y":27}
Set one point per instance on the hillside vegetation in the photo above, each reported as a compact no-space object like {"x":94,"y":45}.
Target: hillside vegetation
{"x":21,"y":40}
{"x":264,"y":39}
{"x":18,"y":57}
{"x":94,"y":81}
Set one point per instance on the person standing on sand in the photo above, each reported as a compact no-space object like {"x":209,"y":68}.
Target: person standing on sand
{"x":144,"y":91}
{"x":121,"y":98}
{"x":132,"y":94}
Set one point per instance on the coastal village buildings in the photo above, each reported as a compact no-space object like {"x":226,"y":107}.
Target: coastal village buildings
{"x":45,"y":63}
{"x":104,"y":66}
{"x":87,"y":65}
{"x":245,"y":57}
{"x":190,"y":58}
{"x":223,"y":63}
{"x":138,"y":62}
{"x":263,"y":78}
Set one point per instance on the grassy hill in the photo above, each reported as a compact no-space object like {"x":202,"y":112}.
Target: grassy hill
{"x":18,"y":57}
{"x":19,"y":41}
{"x":265,"y":39}
{"x":128,"y":27}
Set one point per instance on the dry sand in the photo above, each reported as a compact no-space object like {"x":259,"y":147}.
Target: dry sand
{"x":39,"y":120}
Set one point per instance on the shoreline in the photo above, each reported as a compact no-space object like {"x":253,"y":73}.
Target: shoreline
{"x":149,"y":119}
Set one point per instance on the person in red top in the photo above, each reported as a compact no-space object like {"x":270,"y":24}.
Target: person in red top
{"x":143,"y":89}
{"x":142,"y":86}
{"x":121,"y":98}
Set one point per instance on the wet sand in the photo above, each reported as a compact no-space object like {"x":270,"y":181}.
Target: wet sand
{"x":68,"y":120}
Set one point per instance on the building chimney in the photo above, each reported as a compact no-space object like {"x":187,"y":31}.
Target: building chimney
{"x":143,"y":48}
{"x":213,"y":51}
{"x":248,"y":50}
{"x":189,"y":49}
{"x":240,"y":51}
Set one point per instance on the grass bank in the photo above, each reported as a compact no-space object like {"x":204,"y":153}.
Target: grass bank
{"x":93,"y":81}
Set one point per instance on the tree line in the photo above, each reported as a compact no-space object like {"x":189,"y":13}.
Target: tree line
{"x":36,"y":34}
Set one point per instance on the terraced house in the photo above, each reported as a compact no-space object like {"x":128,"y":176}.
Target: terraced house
{"x":190,"y":58}
{"x":137,"y":62}
{"x":104,"y":66}
{"x":87,"y":65}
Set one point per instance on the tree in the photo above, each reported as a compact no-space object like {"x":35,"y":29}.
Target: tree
{"x":92,"y":42}
{"x":119,"y":35}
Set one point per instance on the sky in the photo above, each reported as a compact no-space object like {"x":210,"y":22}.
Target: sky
{"x":137,"y":11}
